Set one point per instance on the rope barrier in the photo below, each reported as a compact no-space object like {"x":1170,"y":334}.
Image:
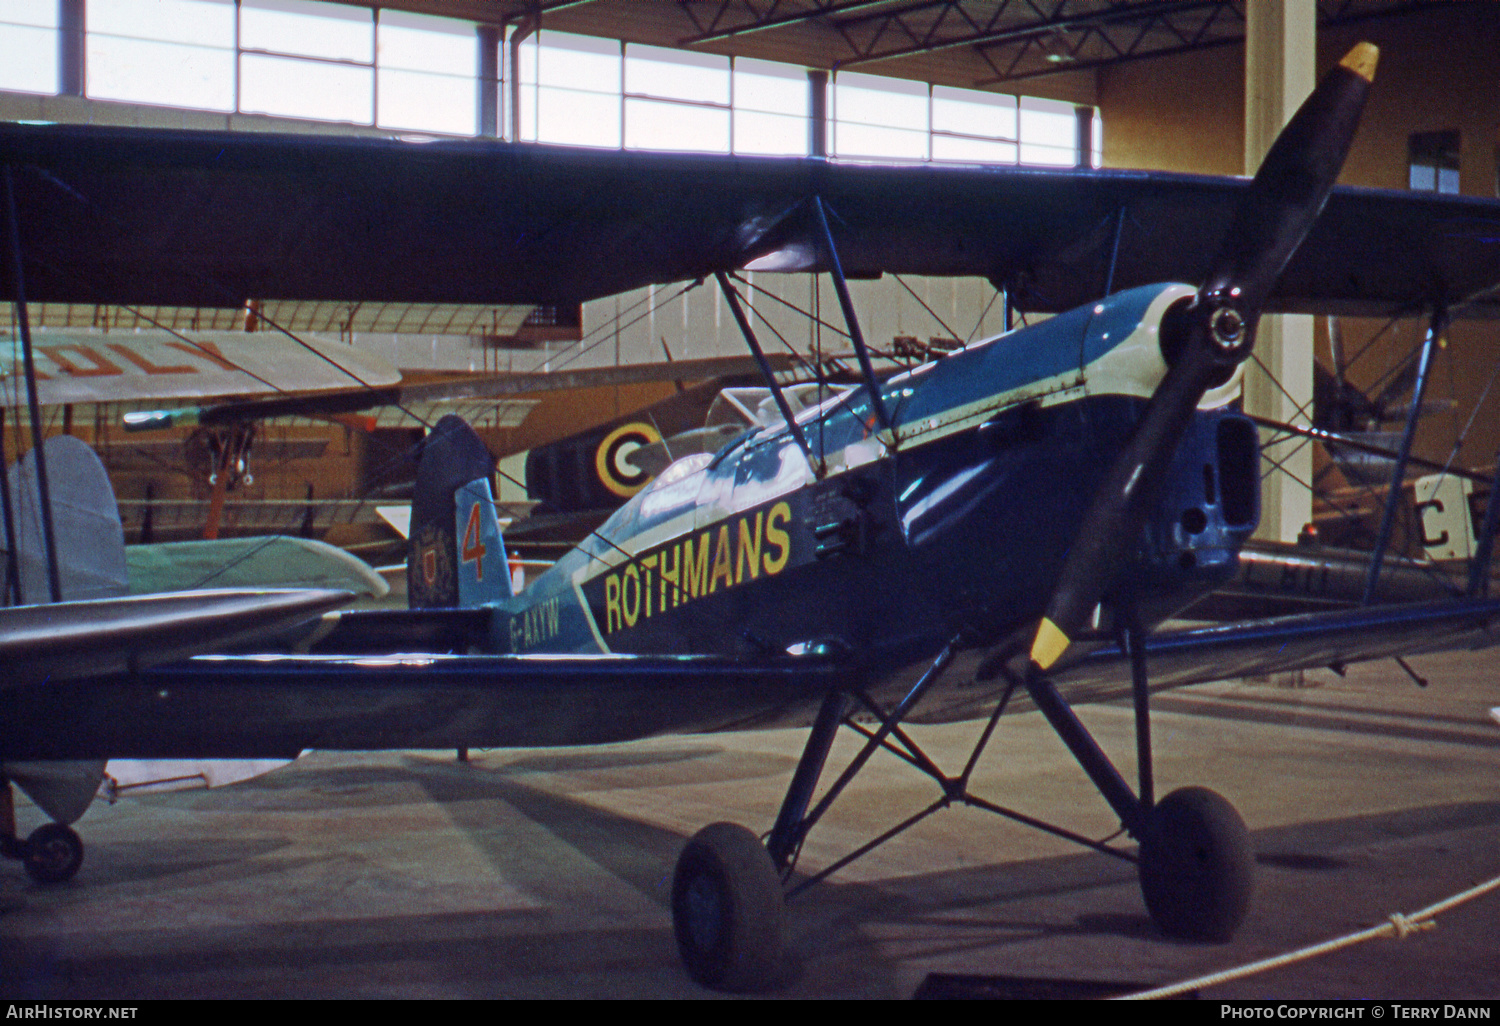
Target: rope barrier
{"x":1396,"y":925}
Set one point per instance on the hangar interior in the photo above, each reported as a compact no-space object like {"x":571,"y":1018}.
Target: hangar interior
{"x":1073,"y":83}
{"x":544,"y":873}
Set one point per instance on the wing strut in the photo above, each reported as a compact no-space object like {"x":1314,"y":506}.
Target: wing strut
{"x":729,"y":890}
{"x":11,"y":595}
{"x":1435,"y":330}
{"x":44,"y":495}
{"x":1134,"y":637}
{"x":841,"y":286}
{"x":733,"y":298}
{"x":1086,"y":751}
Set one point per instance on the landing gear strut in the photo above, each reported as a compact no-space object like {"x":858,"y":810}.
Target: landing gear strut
{"x":1194,"y":862}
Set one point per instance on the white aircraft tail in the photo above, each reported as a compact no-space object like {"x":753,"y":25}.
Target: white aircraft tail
{"x":90,"y":565}
{"x":86,"y":526}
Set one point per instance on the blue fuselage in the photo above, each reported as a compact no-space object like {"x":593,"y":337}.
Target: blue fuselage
{"x":888,"y":544}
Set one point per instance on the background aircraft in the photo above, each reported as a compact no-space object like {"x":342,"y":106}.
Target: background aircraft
{"x":906,"y":551}
{"x":95,"y":625}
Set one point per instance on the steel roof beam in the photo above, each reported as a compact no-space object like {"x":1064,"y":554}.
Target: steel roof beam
{"x":762,"y":20}
{"x":987,"y":31}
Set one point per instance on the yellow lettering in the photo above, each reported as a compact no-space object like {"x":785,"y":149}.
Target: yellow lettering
{"x":695,"y":570}
{"x":611,"y":603}
{"x":648,"y":581}
{"x":673,"y":575}
{"x":777,"y":539}
{"x":748,"y":554}
{"x":723,"y":562}
{"x":630,"y":595}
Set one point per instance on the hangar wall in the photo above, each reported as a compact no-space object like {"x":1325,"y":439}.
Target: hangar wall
{"x":1437,"y":72}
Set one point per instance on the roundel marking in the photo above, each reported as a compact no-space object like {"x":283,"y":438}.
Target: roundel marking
{"x":611,"y":462}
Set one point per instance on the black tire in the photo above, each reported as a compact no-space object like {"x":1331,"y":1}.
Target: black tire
{"x":1196,"y":866}
{"x":727,"y":910}
{"x":53,"y":854}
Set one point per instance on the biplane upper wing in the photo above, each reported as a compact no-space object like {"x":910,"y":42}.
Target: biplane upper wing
{"x":263,"y":706}
{"x":210,"y":219}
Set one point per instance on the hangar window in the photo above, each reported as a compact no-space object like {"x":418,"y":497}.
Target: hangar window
{"x":570,"y":90}
{"x":1049,"y":132}
{"x":425,"y":73}
{"x":770,"y":108}
{"x":305,"y":59}
{"x":676,"y":100}
{"x":28,"y":46}
{"x":970,"y":125}
{"x":1433,"y":161}
{"x":291,"y":58}
{"x":880,"y":117}
{"x":172,"y":52}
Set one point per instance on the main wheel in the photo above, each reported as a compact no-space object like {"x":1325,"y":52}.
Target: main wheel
{"x":1196,"y":866}
{"x":53,"y":854}
{"x":726,"y":909}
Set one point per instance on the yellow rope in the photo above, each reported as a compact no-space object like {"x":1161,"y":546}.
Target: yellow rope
{"x":1397,"y":925}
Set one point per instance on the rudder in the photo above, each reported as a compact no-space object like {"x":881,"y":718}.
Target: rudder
{"x":457,"y":557}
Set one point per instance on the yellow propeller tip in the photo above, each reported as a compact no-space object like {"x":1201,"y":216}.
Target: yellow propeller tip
{"x":1362,"y":60}
{"x":1049,"y":645}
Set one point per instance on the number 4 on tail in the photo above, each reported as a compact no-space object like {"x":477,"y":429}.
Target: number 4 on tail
{"x":482,"y":548}
{"x":473,"y":549}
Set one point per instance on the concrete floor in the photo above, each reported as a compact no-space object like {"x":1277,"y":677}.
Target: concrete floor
{"x":546,"y":873}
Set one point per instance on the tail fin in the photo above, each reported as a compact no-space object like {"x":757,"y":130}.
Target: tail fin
{"x":85,"y":523}
{"x":90,"y":565}
{"x":457,"y":557}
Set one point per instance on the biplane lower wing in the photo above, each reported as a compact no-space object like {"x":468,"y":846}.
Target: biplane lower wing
{"x":65,"y":640}
{"x":1285,"y":644}
{"x":264,"y":706}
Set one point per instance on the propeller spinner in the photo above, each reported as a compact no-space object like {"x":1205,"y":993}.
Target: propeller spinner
{"x":1209,"y":337}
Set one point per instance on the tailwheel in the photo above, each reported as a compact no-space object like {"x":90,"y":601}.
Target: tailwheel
{"x":53,"y":854}
{"x":1196,"y":866}
{"x":727,"y":910}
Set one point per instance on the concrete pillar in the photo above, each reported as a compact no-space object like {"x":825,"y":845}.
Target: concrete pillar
{"x":1083,"y":136}
{"x":1280,"y":58}
{"x":489,"y":39}
{"x":817,"y":113}
{"x":71,"y":52}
